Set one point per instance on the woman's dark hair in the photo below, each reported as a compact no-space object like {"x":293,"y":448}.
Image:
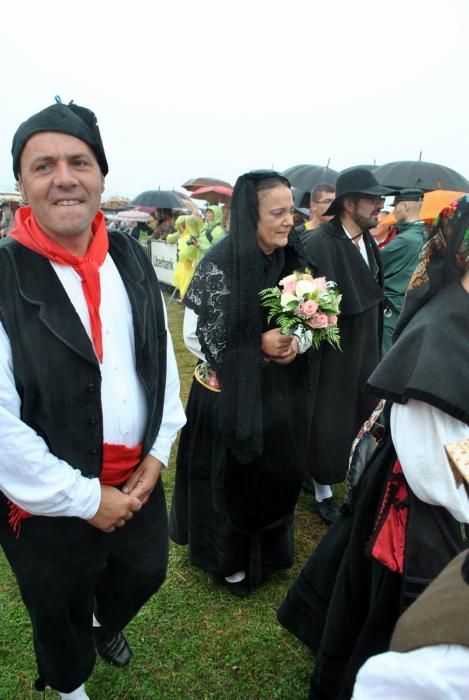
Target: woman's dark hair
{"x":270,"y":182}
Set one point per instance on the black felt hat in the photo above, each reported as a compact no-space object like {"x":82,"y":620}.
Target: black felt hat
{"x":409,"y":195}
{"x":66,"y":119}
{"x":356,"y":181}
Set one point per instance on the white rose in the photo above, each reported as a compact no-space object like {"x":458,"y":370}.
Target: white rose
{"x":286,"y":299}
{"x":304,"y":287}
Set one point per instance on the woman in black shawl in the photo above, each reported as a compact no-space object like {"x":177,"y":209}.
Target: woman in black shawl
{"x":241,"y":455}
{"x":403,"y":522}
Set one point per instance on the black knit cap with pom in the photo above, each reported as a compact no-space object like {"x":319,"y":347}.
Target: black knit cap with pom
{"x":66,"y":119}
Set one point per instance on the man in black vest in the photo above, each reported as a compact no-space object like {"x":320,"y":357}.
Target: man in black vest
{"x":89,"y":405}
{"x":343,"y":251}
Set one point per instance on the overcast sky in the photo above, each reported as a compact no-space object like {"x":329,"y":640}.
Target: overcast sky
{"x":184,"y":88}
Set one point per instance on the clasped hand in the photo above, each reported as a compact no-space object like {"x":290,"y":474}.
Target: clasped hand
{"x":118,"y":506}
{"x":278,"y":347}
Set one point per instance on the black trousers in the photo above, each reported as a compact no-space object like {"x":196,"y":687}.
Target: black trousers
{"x":66,"y":570}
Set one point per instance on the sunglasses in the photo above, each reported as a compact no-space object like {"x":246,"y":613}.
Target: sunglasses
{"x":373,"y":200}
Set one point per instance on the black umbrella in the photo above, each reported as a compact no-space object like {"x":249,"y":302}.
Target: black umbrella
{"x":420,"y":174}
{"x":371,"y":168}
{"x":159,"y":199}
{"x":304,"y":177}
{"x":301,"y":199}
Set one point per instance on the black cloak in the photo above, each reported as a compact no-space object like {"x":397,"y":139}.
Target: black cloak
{"x":340,"y":405}
{"x":345,"y":604}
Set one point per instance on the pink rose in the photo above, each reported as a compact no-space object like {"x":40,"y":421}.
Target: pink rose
{"x":308,"y":308}
{"x":332,"y":320}
{"x":320,"y":284}
{"x":318,"y":321}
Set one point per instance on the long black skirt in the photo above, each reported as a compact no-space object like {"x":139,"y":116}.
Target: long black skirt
{"x":239,"y":516}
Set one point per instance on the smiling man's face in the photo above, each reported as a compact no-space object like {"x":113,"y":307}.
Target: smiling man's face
{"x":60,"y":179}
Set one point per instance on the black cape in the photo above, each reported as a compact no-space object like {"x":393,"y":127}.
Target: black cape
{"x":344,"y":604}
{"x":429,"y":360}
{"x":340,"y":405}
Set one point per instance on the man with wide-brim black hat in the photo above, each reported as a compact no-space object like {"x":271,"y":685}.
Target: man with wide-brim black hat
{"x":344,"y":251}
{"x":400,"y":257}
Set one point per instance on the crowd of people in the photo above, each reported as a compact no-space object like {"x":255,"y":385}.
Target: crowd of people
{"x":83,"y":519}
{"x":7,"y":215}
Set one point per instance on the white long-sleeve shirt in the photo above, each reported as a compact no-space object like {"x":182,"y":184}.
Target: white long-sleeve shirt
{"x":360,"y":245}
{"x":437,"y":672}
{"x":191,"y":341}
{"x":189,"y":331}
{"x":419,"y":432}
{"x":30,"y":475}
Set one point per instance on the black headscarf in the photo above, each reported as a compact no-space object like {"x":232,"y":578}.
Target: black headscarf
{"x":429,"y":358}
{"x":230,"y":318}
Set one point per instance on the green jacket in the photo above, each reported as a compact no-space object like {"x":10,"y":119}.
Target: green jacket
{"x":399,"y":258}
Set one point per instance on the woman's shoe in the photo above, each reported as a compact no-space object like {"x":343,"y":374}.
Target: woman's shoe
{"x":241,"y":589}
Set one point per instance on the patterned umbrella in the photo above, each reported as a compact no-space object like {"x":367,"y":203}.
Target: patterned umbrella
{"x":8,"y":196}
{"x":133,"y":215}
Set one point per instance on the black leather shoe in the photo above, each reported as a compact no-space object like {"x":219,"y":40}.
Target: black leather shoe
{"x":115,"y":650}
{"x":328,"y":510}
{"x":308,"y":484}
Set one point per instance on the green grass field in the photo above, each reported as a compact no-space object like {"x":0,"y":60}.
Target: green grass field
{"x":193,"y":640}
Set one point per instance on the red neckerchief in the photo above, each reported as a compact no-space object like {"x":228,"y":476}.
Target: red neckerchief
{"x":28,"y":233}
{"x":119,"y":462}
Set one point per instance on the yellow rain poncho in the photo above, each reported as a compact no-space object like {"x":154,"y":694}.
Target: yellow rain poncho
{"x":187,"y":228}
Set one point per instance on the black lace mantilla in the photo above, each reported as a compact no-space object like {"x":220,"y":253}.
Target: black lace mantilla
{"x":224,"y":293}
{"x":208,"y":296}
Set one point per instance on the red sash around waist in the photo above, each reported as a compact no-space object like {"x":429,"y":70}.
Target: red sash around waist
{"x":119,"y":462}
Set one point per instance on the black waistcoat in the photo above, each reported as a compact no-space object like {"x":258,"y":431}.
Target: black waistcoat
{"x":55,"y":368}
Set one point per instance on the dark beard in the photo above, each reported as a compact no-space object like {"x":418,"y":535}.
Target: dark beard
{"x":363,"y":222}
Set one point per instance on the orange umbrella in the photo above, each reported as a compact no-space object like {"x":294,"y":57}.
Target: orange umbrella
{"x":433,"y":203}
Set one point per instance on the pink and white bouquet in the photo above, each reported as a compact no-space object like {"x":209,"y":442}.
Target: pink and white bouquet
{"x":301,"y":300}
